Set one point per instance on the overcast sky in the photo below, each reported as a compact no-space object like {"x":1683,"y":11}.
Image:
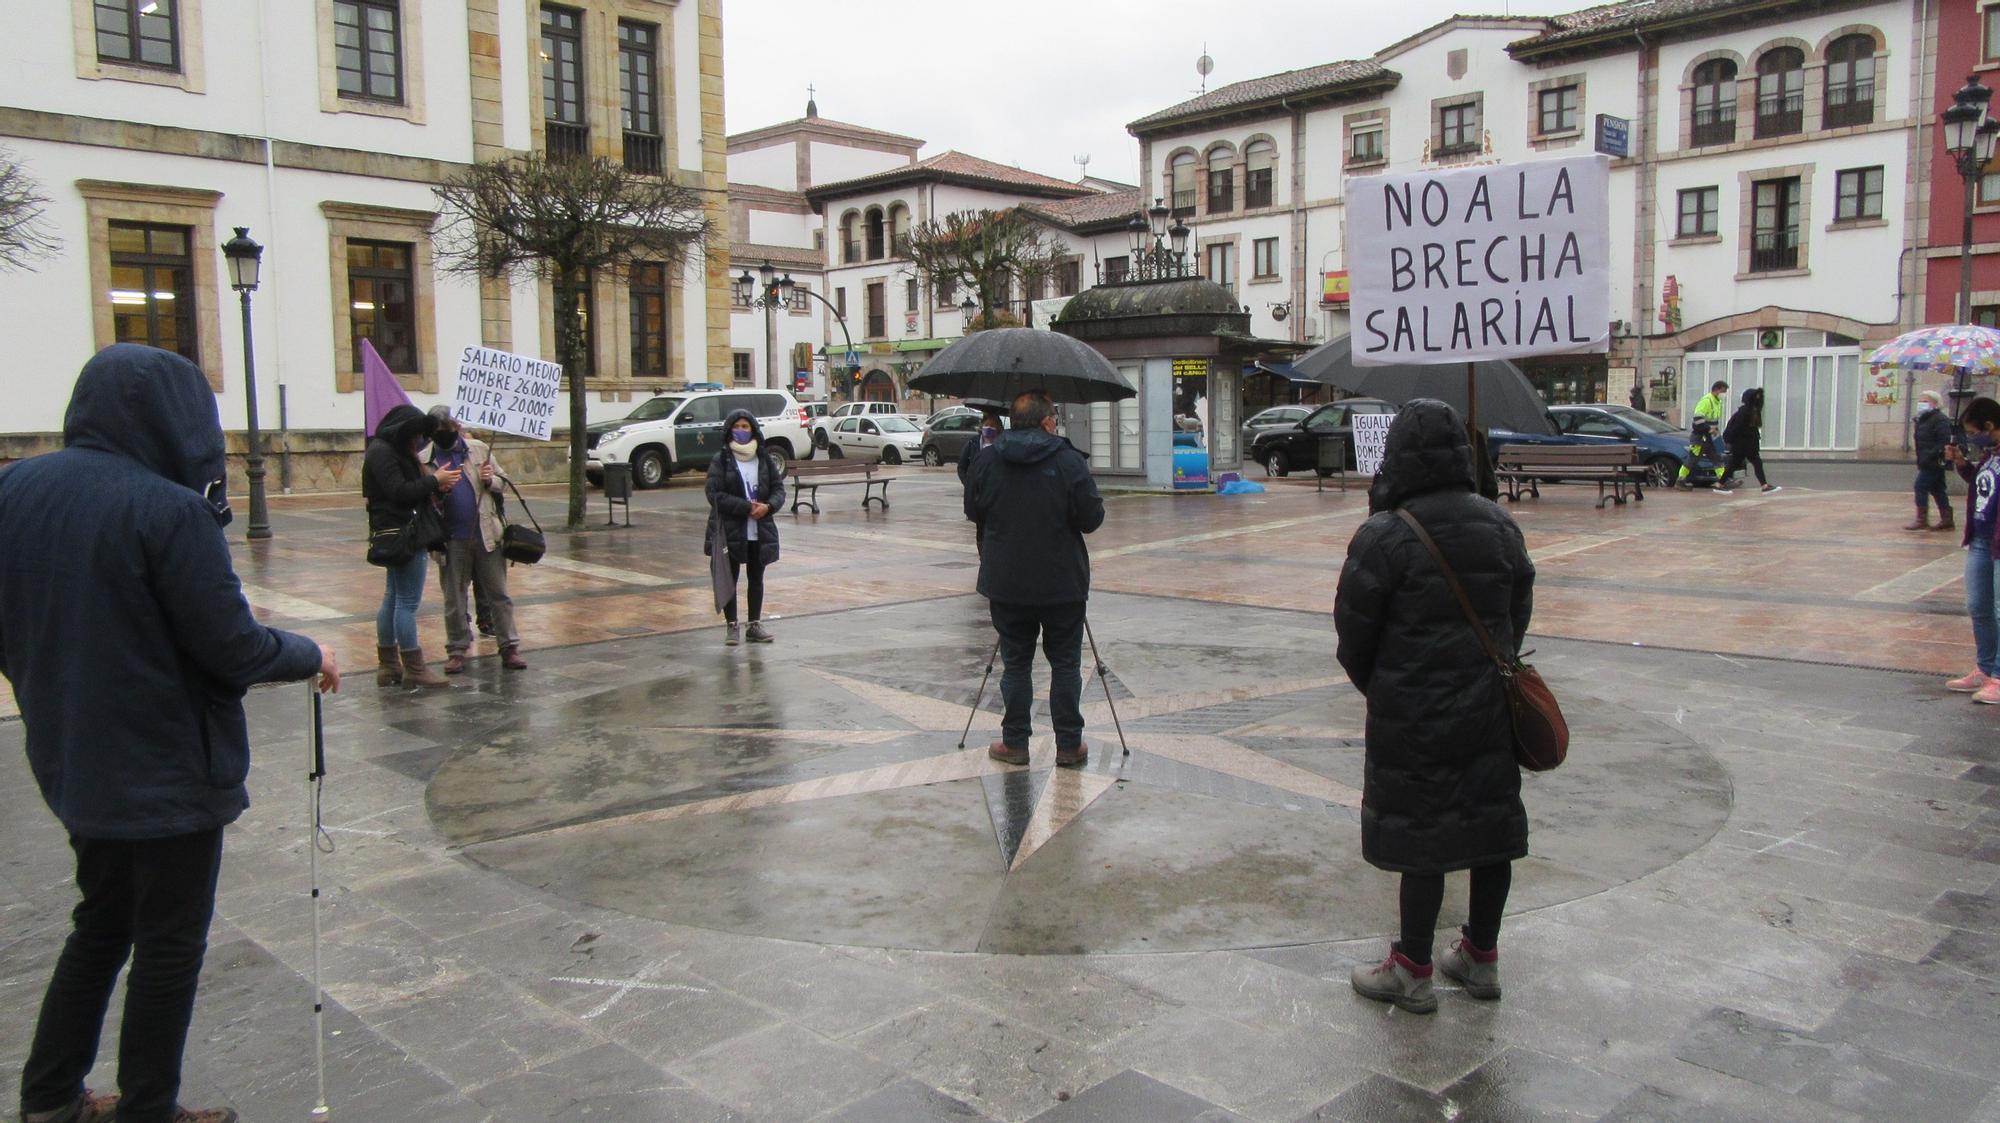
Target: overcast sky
{"x":1038,"y":82}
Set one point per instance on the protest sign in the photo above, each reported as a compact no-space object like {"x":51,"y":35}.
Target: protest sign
{"x":506,"y":393}
{"x":1371,"y":434}
{"x":1492,"y":262}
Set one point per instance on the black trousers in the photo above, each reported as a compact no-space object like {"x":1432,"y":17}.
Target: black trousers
{"x":1736,"y":459}
{"x":151,"y":899}
{"x":754,"y":593}
{"x":1060,"y":628}
{"x":1423,"y":896}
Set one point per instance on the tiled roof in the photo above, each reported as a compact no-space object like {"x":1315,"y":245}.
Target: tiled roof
{"x":1105,"y":206}
{"x":1631,"y":14}
{"x":1291,"y":82}
{"x":748,"y":255}
{"x":959,"y":167}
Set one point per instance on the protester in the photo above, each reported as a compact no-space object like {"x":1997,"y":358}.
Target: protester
{"x":471,"y":553}
{"x":745,"y":488}
{"x":1744,"y":438}
{"x":1981,"y":421}
{"x":394,"y":482}
{"x":1035,"y":496}
{"x":991,"y":425}
{"x":1441,"y":790}
{"x":129,"y":646}
{"x":1707,"y":418}
{"x":1933,"y":432}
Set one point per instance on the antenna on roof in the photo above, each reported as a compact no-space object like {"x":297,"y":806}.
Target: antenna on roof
{"x":1204,"y":66}
{"x":1082,"y":166}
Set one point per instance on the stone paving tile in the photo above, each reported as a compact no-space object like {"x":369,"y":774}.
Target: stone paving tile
{"x":1383,"y":1099}
{"x":906,"y":1101}
{"x":603,"y":1083}
{"x":1131,"y":1095}
{"x":1262,"y":1073}
{"x":1005,"y":1069}
{"x":1521,"y":1084}
{"x":784,"y":1074}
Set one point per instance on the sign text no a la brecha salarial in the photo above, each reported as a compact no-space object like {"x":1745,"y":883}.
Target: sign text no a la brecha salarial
{"x":1493,"y":262}
{"x":506,"y":393}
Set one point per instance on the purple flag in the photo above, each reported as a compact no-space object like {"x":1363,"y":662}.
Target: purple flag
{"x":380,"y":392}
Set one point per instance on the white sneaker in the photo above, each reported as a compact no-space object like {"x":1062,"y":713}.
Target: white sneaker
{"x":1772,"y":487}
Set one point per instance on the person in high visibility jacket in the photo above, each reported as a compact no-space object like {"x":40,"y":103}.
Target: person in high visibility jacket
{"x":1708,"y":413}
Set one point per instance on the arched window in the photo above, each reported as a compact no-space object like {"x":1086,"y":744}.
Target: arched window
{"x":1714,"y":120}
{"x":899,"y":229}
{"x":850,"y":238}
{"x":1260,"y":161}
{"x":1850,"y":81}
{"x":872,"y":222}
{"x":1221,"y":180}
{"x":1781,"y":92}
{"x":1180,"y":183}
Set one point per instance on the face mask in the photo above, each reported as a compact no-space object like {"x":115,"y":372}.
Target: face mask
{"x":445,"y":441}
{"x":742,"y":436}
{"x":1925,"y":407}
{"x":989,"y":433}
{"x":1979,"y":440}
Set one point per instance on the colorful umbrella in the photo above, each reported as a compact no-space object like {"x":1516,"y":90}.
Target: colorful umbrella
{"x":1958,"y":350}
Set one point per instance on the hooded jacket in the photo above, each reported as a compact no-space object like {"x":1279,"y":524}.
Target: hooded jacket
{"x":1441,"y":790}
{"x":122,"y":626}
{"x":393,"y":481}
{"x":1933,"y":432}
{"x":727,"y":502}
{"x":1033,"y":493}
{"x":1744,"y":435}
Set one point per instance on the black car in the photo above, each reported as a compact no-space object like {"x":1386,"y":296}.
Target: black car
{"x":1283,"y":449}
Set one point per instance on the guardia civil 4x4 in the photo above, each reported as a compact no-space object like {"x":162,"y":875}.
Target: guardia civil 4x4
{"x":681,"y":431}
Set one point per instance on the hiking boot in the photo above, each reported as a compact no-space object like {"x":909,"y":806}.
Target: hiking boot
{"x":415,"y":673}
{"x":1944,"y":520}
{"x":388,"y":672}
{"x":1397,"y":980}
{"x":1969,"y":684}
{"x":1073,"y":758}
{"x":1477,"y":971}
{"x":755,"y":633}
{"x":454,"y":663}
{"x":1922,"y":522}
{"x":1989,"y":695}
{"x":510,"y":658}
{"x":205,"y":1115}
{"x":1006,"y":754}
{"x":732,"y":635}
{"x":86,"y":1108}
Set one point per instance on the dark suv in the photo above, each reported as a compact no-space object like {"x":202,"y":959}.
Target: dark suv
{"x":1282,"y":449}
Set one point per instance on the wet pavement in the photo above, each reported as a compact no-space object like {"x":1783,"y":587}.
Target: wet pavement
{"x":654,"y":878}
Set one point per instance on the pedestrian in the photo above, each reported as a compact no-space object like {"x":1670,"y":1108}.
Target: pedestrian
{"x":1744,"y":437}
{"x":1637,"y":396}
{"x":1035,"y":496}
{"x":992,"y":422}
{"x":1441,"y":790}
{"x":745,"y":489}
{"x":1707,"y":419}
{"x":1933,"y":433}
{"x":471,"y":553}
{"x":129,"y":646}
{"x":1981,"y":422}
{"x":394,"y":482}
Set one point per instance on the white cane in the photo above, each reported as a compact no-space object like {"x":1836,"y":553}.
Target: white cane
{"x":315,"y":783}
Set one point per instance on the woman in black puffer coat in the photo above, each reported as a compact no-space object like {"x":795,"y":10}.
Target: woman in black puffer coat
{"x":1442,"y":791}
{"x":746,"y":486}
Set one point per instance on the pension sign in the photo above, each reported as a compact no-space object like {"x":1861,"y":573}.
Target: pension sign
{"x":1492,"y":262}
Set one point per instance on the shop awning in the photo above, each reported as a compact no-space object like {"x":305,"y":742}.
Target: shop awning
{"x":1275,"y":369}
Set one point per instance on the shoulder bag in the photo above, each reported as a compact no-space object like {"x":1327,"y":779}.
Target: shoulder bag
{"x":394,"y":546}
{"x":1541,"y":733}
{"x":518,"y":543}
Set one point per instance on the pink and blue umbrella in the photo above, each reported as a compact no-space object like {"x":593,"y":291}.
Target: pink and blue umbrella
{"x":1957,"y":350}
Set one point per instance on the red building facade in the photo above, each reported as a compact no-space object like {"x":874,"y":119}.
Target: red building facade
{"x":1968,"y":42}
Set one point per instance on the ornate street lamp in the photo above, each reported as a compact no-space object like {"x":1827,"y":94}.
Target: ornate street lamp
{"x":245,"y":261}
{"x":768,"y":291}
{"x":1159,"y":244}
{"x":1970,"y":136}
{"x":969,"y":308}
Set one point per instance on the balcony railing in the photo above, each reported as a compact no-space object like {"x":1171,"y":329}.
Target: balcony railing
{"x":874,"y":247}
{"x":1781,"y":115}
{"x":1714,"y":124}
{"x":1184,"y":201}
{"x":850,"y":252}
{"x":643,"y":153}
{"x":1772,"y":250}
{"x":1221,"y":200}
{"x":1257,"y":189}
{"x":1850,"y":105}
{"x":567,"y":141}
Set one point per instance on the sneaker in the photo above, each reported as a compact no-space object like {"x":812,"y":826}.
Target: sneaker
{"x":87,"y":1108}
{"x":756,"y":633}
{"x":1073,"y":758}
{"x":1989,"y":694}
{"x":1722,"y":489}
{"x":1772,"y":487}
{"x":1477,"y":971}
{"x":1969,"y":684}
{"x":205,"y":1115}
{"x":732,"y":635}
{"x":1007,"y":754}
{"x":1397,"y":980}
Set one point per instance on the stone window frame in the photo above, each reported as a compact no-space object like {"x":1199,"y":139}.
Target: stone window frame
{"x":749,"y":378}
{"x":190,"y":76}
{"x":1812,"y":72}
{"x":1204,"y":167}
{"x":1882,"y":110}
{"x":372,"y":223}
{"x":1363,"y":121}
{"x":410,"y":30}
{"x":1684,"y":239}
{"x":1235,"y":244}
{"x":1880,"y":218}
{"x":1989,"y":48}
{"x":1476,"y":99}
{"x":602,"y":108}
{"x":1745,"y":92}
{"x":1243,"y":173}
{"x":1277,"y":262}
{"x":1197,"y":187}
{"x":610,"y":336}
{"x":1746,"y":208}
{"x":1561,"y":138}
{"x":106,"y":202}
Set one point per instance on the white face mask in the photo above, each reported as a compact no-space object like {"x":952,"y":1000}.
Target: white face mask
{"x":1925,"y":407}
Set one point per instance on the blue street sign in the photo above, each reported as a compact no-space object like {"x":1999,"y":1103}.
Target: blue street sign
{"x":854,"y":359}
{"x":1614,"y":135}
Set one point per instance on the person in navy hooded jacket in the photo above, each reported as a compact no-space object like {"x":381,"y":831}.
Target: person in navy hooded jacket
{"x":129,"y":646}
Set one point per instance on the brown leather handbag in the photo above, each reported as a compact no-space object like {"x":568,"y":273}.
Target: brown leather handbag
{"x":1541,"y":733}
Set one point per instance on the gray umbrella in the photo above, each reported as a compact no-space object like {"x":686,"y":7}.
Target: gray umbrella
{"x":1507,"y":400}
{"x":1001,"y":363}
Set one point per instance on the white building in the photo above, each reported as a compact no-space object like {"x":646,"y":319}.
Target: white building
{"x":155,"y":126}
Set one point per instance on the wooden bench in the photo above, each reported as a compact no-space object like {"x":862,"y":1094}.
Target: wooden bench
{"x":1614,"y":468}
{"x":810,"y":477}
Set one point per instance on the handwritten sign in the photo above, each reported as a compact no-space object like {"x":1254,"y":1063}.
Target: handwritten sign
{"x":1371,"y":435}
{"x":1493,"y":262}
{"x":506,"y":393}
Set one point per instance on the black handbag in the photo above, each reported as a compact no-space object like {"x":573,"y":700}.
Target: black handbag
{"x":397,"y":545}
{"x":518,"y":543}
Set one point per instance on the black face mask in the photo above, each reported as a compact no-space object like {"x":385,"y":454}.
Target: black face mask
{"x":445,"y":441}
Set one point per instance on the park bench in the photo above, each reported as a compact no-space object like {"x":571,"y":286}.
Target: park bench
{"x":1614,"y":468}
{"x":810,"y":477}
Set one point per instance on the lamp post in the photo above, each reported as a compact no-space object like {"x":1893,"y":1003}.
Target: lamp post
{"x":245,"y":257}
{"x":767,"y":291}
{"x":1969,"y":137}
{"x":1159,"y":250}
{"x":969,"y":308}
{"x":745,"y":292}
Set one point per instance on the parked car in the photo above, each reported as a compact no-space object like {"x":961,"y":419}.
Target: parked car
{"x":946,"y":437}
{"x":1281,"y":449}
{"x":682,"y":432}
{"x":822,"y":427}
{"x":891,"y":439}
{"x":1663,"y":447}
{"x":1276,"y":417}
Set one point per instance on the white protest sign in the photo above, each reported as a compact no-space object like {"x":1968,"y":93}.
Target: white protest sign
{"x":1371,"y":434}
{"x":1492,"y":262}
{"x":506,"y":393}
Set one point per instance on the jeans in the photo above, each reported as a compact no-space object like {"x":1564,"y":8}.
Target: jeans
{"x":151,"y":898}
{"x":468,"y":561}
{"x":1735,"y":465}
{"x":1980,"y":601}
{"x":396,"y":620}
{"x":1423,"y":895}
{"x":754,"y":593}
{"x":1061,"y":629}
{"x":1930,"y":485}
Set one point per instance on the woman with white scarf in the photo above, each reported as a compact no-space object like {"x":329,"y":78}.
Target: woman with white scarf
{"x":745,"y":489}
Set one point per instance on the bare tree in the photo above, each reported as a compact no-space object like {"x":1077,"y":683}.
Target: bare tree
{"x":24,"y":235}
{"x":565,"y":221}
{"x":983,"y":253}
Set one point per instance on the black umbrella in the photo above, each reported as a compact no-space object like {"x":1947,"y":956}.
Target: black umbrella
{"x":1002,"y":363}
{"x":1507,"y":400}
